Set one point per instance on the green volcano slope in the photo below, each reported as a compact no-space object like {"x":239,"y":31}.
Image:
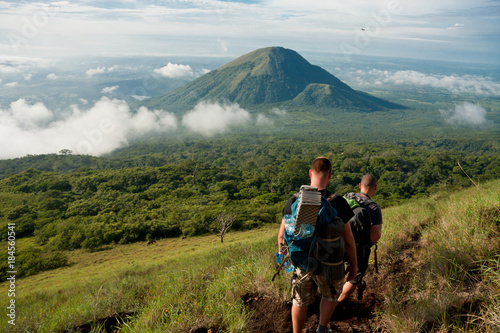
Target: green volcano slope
{"x":272,"y":76}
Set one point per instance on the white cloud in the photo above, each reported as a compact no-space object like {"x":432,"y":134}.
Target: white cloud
{"x":26,"y":116}
{"x":213,"y":118}
{"x":175,"y":70}
{"x":100,"y":70}
{"x":94,"y":71}
{"x":279,"y":112}
{"x":457,"y":26}
{"x":465,"y":114}
{"x":52,"y":76}
{"x":223,"y":45}
{"x":262,"y":120}
{"x":212,"y":27}
{"x":139,"y":97}
{"x":11,"y":84}
{"x":6,"y":69}
{"x":107,"y":90}
{"x":109,"y":124}
{"x":470,"y":84}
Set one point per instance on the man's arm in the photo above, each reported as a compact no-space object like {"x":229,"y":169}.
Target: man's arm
{"x":350,"y":247}
{"x":376,"y":228}
{"x":281,"y":235}
{"x":375,"y":233}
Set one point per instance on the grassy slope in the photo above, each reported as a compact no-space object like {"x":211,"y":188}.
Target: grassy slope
{"x":145,"y":280}
{"x":441,"y":263}
{"x":439,"y":258}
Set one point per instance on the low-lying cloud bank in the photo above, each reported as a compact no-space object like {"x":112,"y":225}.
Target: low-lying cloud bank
{"x":107,"y":125}
{"x":465,"y":114}
{"x":209,"y":119}
{"x":468,"y":84}
{"x":179,"y":70}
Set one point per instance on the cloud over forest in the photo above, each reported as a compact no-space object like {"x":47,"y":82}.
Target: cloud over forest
{"x":465,"y":114}
{"x":468,"y":84}
{"x":209,"y":118}
{"x":109,"y":124}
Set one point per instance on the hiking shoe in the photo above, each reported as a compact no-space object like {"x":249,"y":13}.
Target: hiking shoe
{"x":323,"y":329}
{"x":361,"y":288}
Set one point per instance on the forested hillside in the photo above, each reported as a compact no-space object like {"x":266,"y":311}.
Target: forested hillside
{"x":438,"y":272}
{"x":109,"y":200}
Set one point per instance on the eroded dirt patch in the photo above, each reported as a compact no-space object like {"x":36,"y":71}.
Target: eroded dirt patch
{"x":109,"y":324}
{"x":269,"y":313}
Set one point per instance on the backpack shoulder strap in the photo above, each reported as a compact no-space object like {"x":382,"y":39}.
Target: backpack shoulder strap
{"x":361,"y":201}
{"x":350,"y":195}
{"x":364,"y":201}
{"x":332,"y":197}
{"x":366,"y":195}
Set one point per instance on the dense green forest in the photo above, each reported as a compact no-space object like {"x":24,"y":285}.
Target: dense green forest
{"x":89,"y":202}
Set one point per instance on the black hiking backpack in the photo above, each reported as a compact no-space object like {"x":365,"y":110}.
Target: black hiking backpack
{"x":361,"y":222}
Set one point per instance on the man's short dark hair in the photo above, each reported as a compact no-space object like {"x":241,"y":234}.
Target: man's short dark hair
{"x":368,"y":181}
{"x":322,"y":166}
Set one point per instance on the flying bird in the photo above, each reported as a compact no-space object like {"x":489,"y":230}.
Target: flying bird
{"x":363,"y":29}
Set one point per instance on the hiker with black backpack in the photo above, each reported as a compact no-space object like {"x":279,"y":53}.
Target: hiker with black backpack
{"x":322,"y":266}
{"x":366,"y":226}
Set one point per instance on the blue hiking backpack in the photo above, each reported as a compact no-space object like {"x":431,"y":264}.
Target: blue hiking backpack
{"x":321,"y":250}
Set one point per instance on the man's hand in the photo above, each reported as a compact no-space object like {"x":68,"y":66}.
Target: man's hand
{"x":283,"y":250}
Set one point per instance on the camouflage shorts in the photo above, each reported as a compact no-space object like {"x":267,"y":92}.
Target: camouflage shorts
{"x":304,"y":288}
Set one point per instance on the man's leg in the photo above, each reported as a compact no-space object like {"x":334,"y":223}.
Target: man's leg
{"x":330,"y":291}
{"x":363,"y":255}
{"x":326,"y":309}
{"x":303,"y":293}
{"x":299,"y":315}
{"x":347,"y":291}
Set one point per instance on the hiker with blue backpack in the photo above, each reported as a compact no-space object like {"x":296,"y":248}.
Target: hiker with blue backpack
{"x":366,"y":226}
{"x":315,"y":235}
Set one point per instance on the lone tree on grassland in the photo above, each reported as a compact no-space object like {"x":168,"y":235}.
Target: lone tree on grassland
{"x":223,"y":221}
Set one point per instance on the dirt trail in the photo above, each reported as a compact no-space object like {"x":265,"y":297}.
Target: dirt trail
{"x":271,"y":315}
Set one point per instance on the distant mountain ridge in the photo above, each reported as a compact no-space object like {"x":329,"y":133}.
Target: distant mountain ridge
{"x":274,"y":76}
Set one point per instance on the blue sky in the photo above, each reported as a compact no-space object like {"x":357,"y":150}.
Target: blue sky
{"x":456,"y":30}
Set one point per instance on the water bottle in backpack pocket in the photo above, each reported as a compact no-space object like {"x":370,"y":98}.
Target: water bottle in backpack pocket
{"x":289,"y":224}
{"x":287,"y":265}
